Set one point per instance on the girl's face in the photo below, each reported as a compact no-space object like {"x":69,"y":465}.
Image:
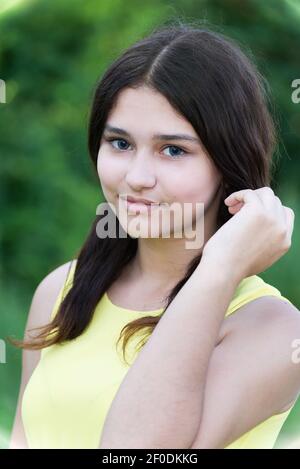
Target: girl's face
{"x":149,"y":151}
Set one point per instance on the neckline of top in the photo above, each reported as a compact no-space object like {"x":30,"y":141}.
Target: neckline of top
{"x":130,"y":310}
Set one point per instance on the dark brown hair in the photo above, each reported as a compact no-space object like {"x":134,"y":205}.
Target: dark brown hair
{"x":210,"y":81}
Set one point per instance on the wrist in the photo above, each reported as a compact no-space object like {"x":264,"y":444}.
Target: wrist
{"x":221,"y":270}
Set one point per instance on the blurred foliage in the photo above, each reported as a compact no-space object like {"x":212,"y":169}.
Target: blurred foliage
{"x":52,"y":53}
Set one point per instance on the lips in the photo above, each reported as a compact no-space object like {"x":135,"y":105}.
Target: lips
{"x":141,"y":201}
{"x":135,"y":205}
{"x":134,"y":200}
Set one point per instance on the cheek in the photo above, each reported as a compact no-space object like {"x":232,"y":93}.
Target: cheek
{"x":109,"y":172}
{"x":195,"y":182}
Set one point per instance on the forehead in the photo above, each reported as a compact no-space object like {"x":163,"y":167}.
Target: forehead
{"x":147,"y":111}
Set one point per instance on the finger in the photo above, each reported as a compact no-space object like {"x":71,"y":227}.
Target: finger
{"x":268,"y":198}
{"x":280,"y":210}
{"x":290,"y":219}
{"x":271,"y":203}
{"x":235,"y":208}
{"x":245,"y":196}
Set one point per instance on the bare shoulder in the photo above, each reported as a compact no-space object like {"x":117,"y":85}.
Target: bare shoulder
{"x":45,"y":295}
{"x":275,"y":323}
{"x":40,"y":311}
{"x":257,"y":368}
{"x":265,"y":310}
{"x":39,"y":314}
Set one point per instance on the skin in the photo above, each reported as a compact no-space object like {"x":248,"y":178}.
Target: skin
{"x":177,"y":383}
{"x":157,"y":170}
{"x":183,"y":376}
{"x":202,"y":364}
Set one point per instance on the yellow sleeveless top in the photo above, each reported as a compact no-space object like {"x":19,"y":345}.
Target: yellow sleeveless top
{"x":69,"y":393}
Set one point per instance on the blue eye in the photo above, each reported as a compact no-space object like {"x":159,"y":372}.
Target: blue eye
{"x":174,"y":156}
{"x":117,"y":140}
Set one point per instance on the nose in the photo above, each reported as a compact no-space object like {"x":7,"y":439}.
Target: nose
{"x":140,"y":172}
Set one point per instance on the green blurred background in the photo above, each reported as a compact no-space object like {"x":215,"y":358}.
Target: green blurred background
{"x":52,"y":52}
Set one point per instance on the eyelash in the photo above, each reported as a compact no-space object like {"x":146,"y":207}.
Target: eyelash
{"x":110,"y":140}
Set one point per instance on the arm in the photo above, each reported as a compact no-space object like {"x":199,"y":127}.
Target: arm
{"x":251,"y":373}
{"x":159,"y":403}
{"x":39,"y":314}
{"x":18,"y":437}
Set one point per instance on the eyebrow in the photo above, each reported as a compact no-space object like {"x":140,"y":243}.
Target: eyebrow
{"x":123,"y":132}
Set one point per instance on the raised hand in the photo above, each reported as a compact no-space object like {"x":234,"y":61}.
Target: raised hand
{"x":257,"y":235}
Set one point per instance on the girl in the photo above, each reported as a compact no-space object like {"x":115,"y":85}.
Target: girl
{"x":179,"y":118}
